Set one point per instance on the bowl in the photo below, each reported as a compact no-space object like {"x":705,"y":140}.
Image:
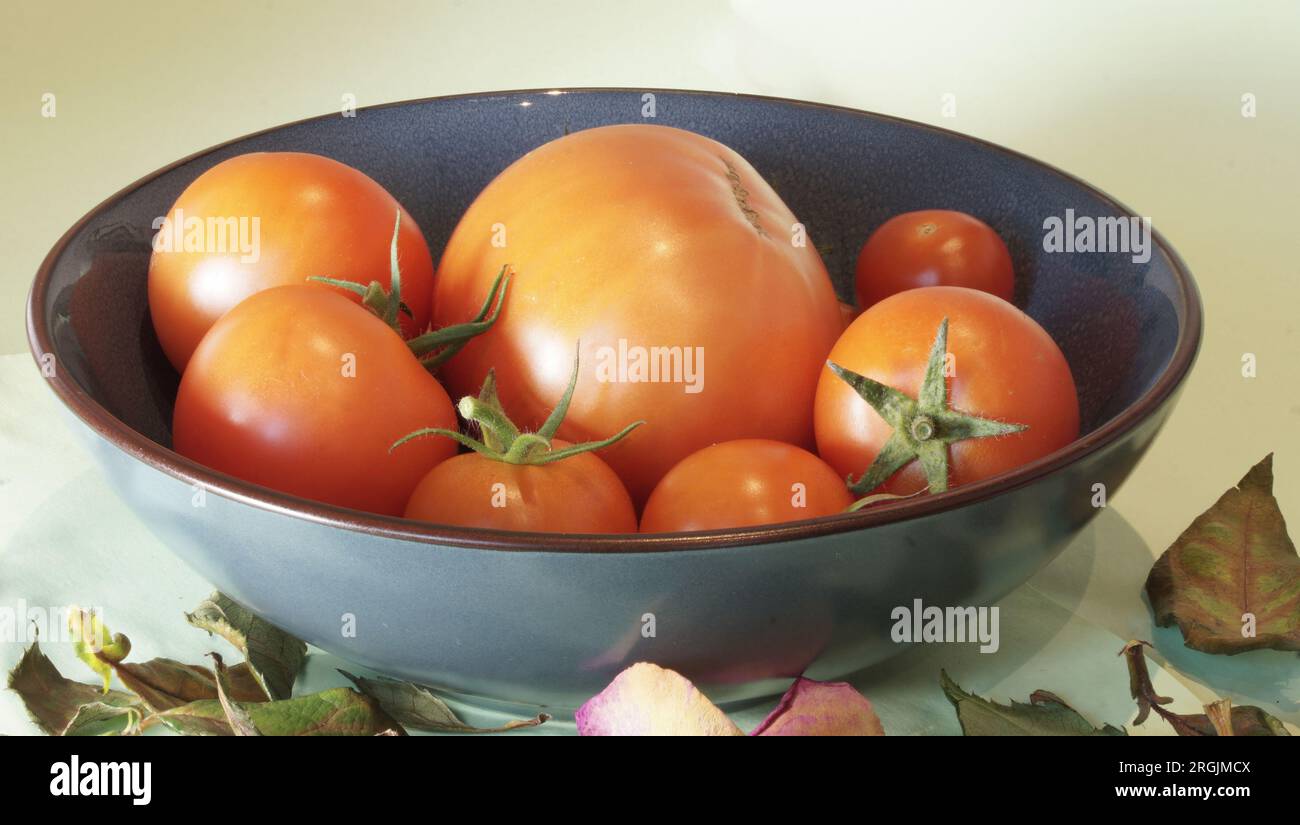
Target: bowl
{"x":526,"y":620}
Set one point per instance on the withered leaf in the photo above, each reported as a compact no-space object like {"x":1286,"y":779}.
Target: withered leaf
{"x":52,"y":700}
{"x":102,"y":719}
{"x":1233,"y":563}
{"x":417,"y":708}
{"x":274,"y":656}
{"x":1245,"y":720}
{"x":163,"y":684}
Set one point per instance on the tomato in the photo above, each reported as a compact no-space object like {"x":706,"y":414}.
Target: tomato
{"x":1004,"y":367}
{"x":651,"y":246}
{"x":522,"y":479}
{"x":742,"y":483}
{"x":302,"y":390}
{"x":302,"y":216}
{"x":579,"y":494}
{"x":933,"y":247}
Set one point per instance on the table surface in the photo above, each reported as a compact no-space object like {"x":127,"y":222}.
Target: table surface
{"x":1144,"y":101}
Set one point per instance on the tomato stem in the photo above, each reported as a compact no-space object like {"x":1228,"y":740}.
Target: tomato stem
{"x":924,"y":427}
{"x":503,"y":441}
{"x":434,"y":347}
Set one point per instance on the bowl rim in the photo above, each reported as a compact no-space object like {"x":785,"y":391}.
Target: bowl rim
{"x":120,"y":435}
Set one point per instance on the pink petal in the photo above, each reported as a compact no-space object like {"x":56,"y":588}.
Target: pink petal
{"x":647,"y":700}
{"x":812,"y":708}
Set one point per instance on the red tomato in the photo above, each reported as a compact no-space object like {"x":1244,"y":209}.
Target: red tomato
{"x":933,"y":247}
{"x":1004,"y":367}
{"x":741,"y":483}
{"x":302,"y":390}
{"x":303,"y":216}
{"x":578,"y":494}
{"x":651,"y":246}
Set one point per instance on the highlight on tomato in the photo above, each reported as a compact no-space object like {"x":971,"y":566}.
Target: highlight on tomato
{"x":675,"y":264}
{"x":933,"y":247}
{"x":515,"y":480}
{"x":267,"y":219}
{"x":742,"y":483}
{"x":937,"y":387}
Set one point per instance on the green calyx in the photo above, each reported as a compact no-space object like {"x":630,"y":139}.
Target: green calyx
{"x":436,"y":346}
{"x":503,"y":441}
{"x":924,"y":427}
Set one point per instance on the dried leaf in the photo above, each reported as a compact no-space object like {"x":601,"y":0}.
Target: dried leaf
{"x":52,"y":700}
{"x":1234,"y":562}
{"x":1045,"y":715}
{"x":274,"y":656}
{"x":163,"y":684}
{"x":102,"y":719}
{"x":1244,"y":720}
{"x":236,"y":716}
{"x":415,"y":707}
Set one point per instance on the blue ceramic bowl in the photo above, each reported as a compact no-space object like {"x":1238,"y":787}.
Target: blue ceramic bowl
{"x":533,"y":619}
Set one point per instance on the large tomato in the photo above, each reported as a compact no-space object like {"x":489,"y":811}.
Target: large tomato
{"x":302,"y":390}
{"x":741,"y":483}
{"x":933,"y":247}
{"x":579,"y":494}
{"x":1002,"y":366}
{"x":646,"y":243}
{"x":302,"y":215}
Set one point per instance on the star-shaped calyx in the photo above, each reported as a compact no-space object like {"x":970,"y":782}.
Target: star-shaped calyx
{"x":923,"y":427}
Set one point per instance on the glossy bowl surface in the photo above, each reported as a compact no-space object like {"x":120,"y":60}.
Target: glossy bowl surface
{"x":531,"y":619}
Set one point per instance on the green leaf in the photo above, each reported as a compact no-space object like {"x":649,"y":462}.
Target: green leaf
{"x":274,"y":656}
{"x":335,"y":712}
{"x":51,"y":699}
{"x":417,"y":708}
{"x":1045,"y":715}
{"x":103,"y":719}
{"x":1234,"y":562}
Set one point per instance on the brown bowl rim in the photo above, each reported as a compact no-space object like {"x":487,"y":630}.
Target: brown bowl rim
{"x":120,"y":435}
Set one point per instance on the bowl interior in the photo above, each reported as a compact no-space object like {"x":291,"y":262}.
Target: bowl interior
{"x":843,"y":173}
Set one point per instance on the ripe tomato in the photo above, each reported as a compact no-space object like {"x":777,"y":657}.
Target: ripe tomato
{"x":933,"y":247}
{"x":579,"y":494}
{"x":741,"y":483}
{"x":303,"y":216}
{"x":302,"y":390}
{"x":650,"y":245}
{"x":1003,"y":366}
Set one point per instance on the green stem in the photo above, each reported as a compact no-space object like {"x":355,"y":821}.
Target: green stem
{"x":503,"y":441}
{"x":443,"y":343}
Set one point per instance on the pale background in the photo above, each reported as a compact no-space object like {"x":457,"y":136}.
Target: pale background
{"x":1141,"y":99}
